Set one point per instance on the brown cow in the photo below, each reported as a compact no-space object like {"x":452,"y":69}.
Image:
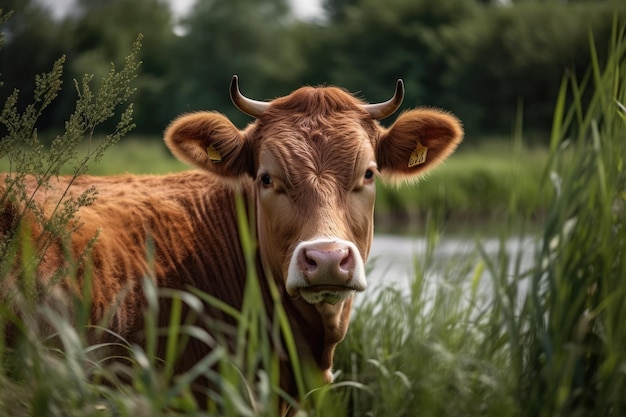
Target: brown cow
{"x":307,"y":164}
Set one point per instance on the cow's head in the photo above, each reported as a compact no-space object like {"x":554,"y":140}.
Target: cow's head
{"x":314,"y":156}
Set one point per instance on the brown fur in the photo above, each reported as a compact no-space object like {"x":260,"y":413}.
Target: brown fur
{"x":317,"y":145}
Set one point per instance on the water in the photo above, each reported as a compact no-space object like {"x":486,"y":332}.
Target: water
{"x":392,"y":258}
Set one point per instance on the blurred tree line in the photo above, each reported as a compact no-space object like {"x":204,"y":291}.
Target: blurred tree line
{"x":483,"y":60}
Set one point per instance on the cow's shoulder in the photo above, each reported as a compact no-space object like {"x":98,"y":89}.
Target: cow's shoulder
{"x":157,"y":204}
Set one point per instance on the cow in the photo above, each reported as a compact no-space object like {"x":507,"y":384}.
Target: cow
{"x":306,"y":167}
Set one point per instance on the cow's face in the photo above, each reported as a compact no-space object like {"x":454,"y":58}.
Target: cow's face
{"x":314,"y":157}
{"x":315,"y":182}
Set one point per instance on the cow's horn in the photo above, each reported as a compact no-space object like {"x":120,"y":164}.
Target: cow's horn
{"x":248,"y":106}
{"x":381,"y":110}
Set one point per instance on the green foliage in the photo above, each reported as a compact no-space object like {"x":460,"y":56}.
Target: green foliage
{"x":507,"y":57}
{"x":103,"y":31}
{"x":482,"y":60}
{"x":33,"y":41}
{"x":243,"y":37}
{"x":375,"y":43}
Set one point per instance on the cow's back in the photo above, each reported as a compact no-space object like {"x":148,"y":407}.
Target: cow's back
{"x":179,"y":229}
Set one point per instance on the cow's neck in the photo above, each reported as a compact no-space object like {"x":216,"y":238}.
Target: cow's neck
{"x":318,"y":329}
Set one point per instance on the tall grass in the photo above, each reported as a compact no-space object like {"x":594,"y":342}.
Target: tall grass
{"x":493,"y":339}
{"x":576,"y":337}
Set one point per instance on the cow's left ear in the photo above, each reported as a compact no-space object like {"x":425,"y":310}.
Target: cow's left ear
{"x":418,"y":141}
{"x":210,"y":141}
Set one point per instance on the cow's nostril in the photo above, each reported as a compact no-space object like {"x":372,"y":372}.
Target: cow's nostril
{"x":307,"y":261}
{"x":347,"y":263}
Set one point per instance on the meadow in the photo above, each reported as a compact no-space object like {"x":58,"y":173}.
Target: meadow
{"x":472,"y":343}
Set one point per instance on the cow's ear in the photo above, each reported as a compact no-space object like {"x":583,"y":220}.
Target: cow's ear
{"x":210,"y":141}
{"x":417,"y":142}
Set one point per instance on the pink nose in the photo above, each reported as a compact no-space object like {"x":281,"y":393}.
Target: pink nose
{"x":326,"y":263}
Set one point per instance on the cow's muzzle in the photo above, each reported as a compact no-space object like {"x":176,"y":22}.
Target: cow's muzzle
{"x":325,"y":270}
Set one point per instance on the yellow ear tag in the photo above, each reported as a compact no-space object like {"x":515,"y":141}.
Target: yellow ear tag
{"x":418,"y":156}
{"x":213,"y":155}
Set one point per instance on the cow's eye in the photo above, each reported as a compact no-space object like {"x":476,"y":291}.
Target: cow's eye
{"x":266,"y":179}
{"x":369,"y":175}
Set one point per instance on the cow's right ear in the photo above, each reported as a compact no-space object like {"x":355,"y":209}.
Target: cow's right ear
{"x":210,"y":141}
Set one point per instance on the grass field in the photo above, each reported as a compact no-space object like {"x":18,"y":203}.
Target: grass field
{"x":489,"y":338}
